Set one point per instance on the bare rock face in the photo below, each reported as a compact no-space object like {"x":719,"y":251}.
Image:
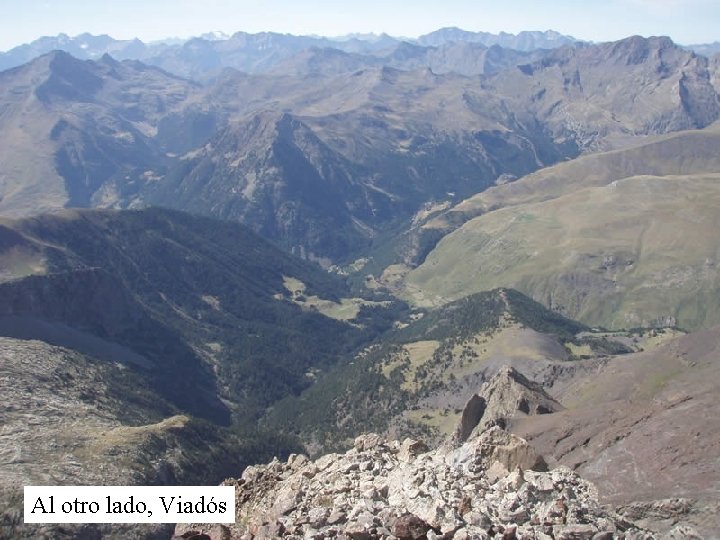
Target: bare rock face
{"x":487,"y":487}
{"x":507,"y":394}
{"x":499,"y":453}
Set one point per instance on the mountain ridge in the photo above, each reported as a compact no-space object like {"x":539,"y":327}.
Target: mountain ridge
{"x":427,"y":137}
{"x":243,"y":50}
{"x":423,"y":371}
{"x":502,"y":193}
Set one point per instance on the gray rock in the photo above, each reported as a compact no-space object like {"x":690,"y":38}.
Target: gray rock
{"x":335,"y":517}
{"x":357,"y":531}
{"x":575,"y":532}
{"x":368,"y":441}
{"x":410,"y":448}
{"x":417,"y":493}
{"x":317,"y":517}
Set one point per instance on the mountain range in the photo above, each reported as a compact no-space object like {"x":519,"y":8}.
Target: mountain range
{"x":225,"y":249}
{"x":254,"y":53}
{"x":280,"y":152}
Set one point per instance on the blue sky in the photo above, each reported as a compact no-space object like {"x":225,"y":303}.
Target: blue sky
{"x":686,"y":21}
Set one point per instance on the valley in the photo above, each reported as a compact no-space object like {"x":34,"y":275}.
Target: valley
{"x":141,"y":347}
{"x":435,"y":266}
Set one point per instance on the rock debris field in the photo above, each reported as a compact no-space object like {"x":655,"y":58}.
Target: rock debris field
{"x":492,"y":486}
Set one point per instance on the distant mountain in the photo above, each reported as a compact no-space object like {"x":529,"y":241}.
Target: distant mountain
{"x":523,"y":41}
{"x":463,"y":58}
{"x":94,"y":128}
{"x":194,"y":57}
{"x":215,"y":35}
{"x":568,"y":94}
{"x":550,"y":108}
{"x":706,"y":49}
{"x":201,"y":57}
{"x":251,"y":53}
{"x":264,"y":52}
{"x":599,"y":93}
{"x":336,"y":151}
{"x":308,"y":181}
{"x":380,"y":41}
{"x":83,"y":46}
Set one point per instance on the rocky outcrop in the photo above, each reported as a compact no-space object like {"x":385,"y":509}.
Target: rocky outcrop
{"x":484,"y":488}
{"x":507,"y":394}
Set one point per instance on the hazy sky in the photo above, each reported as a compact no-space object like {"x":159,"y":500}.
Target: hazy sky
{"x":686,"y":21}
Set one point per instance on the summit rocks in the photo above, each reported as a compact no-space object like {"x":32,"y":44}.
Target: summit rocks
{"x":383,"y":489}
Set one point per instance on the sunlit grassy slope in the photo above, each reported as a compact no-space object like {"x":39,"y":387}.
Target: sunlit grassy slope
{"x":622,"y":239}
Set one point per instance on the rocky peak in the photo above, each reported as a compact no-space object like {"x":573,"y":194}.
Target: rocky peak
{"x":108,"y":60}
{"x":67,"y":78}
{"x":383,"y":489}
{"x":636,"y":49}
{"x":507,"y":394}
